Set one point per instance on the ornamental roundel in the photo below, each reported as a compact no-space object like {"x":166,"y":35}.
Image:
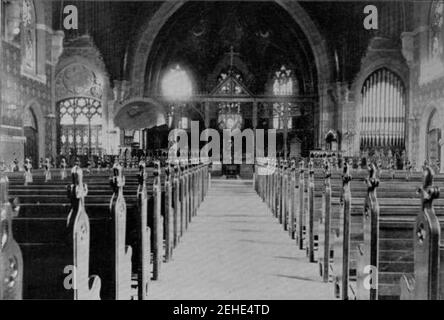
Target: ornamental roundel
{"x":78,"y":80}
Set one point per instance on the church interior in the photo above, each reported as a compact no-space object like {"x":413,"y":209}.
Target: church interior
{"x":135,"y":70}
{"x":99,"y":85}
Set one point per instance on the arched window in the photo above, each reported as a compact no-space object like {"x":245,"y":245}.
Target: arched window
{"x":382,"y":120}
{"x":230,"y":87}
{"x":436,"y":24}
{"x":176,"y":84}
{"x":283,"y":83}
{"x":29,"y":53}
{"x":177,"y":87}
{"x":30,"y":130}
{"x":29,"y":119}
{"x":80,"y":126}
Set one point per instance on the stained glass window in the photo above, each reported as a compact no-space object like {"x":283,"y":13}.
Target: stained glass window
{"x":283,"y":84}
{"x":230,"y":82}
{"x":80,"y":125}
{"x":436,"y":24}
{"x":176,"y":84}
{"x":29,"y":36}
{"x":232,"y":72}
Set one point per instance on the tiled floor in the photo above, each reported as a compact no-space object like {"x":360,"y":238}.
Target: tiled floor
{"x":235,"y":249}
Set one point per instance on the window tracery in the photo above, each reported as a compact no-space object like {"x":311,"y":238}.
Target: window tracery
{"x":80,"y":126}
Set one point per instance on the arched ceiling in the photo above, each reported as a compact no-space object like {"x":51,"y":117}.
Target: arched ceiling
{"x":115,"y":26}
{"x":263,"y":36}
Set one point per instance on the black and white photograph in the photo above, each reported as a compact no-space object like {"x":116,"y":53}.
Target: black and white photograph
{"x":221,"y":155}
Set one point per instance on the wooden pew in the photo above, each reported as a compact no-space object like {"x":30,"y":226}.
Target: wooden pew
{"x":11,"y":260}
{"x":341,"y":239}
{"x":157,"y":231}
{"x":56,"y":253}
{"x":292,"y":204}
{"x":122,"y":252}
{"x":169,"y":214}
{"x":324,"y":228}
{"x":300,"y":220}
{"x":387,"y":244}
{"x":99,"y":180}
{"x":177,"y":205}
{"x":143,"y":237}
{"x":45,"y":208}
{"x":310,"y":215}
{"x":368,"y":249}
{"x":38,"y":197}
{"x":392,"y":192}
{"x":425,"y":283}
{"x":398,"y":205}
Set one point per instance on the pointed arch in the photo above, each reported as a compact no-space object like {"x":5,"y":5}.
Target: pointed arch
{"x":151,"y":29}
{"x":34,"y":108}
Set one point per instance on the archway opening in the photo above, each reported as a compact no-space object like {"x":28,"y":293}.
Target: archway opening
{"x":31,"y":132}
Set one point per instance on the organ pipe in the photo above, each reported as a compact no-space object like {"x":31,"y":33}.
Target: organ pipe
{"x":383,"y":110}
{"x":378,"y":110}
{"x":402,"y":123}
{"x":365,"y":114}
{"x":391,"y":113}
{"x":371,"y":109}
{"x":399,"y":122}
{"x":383,"y":106}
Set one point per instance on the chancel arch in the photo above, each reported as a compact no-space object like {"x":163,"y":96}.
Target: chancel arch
{"x":150,"y":30}
{"x":321,"y":66}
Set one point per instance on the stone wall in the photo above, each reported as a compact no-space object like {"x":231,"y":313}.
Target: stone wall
{"x":20,"y":91}
{"x":426,"y":85}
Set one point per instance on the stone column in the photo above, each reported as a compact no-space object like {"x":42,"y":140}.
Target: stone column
{"x":56,"y":51}
{"x":286,"y":112}
{"x":112,"y":133}
{"x":441,"y":147}
{"x":50,"y":136}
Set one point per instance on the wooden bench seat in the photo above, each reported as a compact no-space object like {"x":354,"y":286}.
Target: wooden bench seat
{"x":41,"y":226}
{"x":399,"y":204}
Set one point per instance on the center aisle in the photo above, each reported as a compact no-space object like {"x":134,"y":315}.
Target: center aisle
{"x":235,"y":249}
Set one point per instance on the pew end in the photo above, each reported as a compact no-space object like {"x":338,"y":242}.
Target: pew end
{"x":407,"y":287}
